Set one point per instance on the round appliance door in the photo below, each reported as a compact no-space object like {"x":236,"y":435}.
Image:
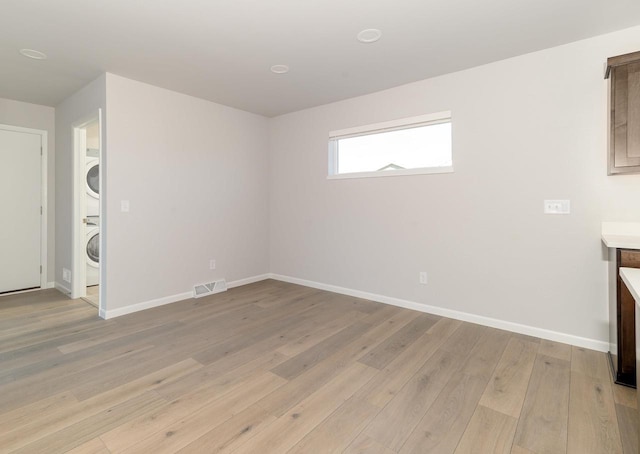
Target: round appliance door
{"x":93,"y":246}
{"x":92,"y":177}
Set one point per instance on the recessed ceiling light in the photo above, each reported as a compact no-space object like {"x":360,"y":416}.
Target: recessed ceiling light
{"x":370,"y":35}
{"x":35,"y":54}
{"x":280,"y":69}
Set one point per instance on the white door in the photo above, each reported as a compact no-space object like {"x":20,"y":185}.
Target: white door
{"x":20,"y":205}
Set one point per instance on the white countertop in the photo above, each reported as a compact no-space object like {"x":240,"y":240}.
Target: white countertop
{"x":623,"y":235}
{"x":631,"y":278}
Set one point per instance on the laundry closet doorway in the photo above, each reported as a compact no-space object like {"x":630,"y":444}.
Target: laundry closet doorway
{"x":87,"y":203}
{"x":23,"y":209}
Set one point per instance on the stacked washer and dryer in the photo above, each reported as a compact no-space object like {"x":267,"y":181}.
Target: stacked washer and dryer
{"x":93,"y":217}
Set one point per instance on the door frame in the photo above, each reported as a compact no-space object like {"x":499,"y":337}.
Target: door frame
{"x":44,"y":193}
{"x":78,"y":260}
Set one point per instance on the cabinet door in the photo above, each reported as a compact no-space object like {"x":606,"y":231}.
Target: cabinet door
{"x":630,"y":258}
{"x":625,"y":360}
{"x":625,"y":119}
{"x":626,"y":331}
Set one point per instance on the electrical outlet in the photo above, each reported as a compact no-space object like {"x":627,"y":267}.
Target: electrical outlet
{"x":212,"y":264}
{"x":557,"y":206}
{"x":423,"y":277}
{"x":66,"y":275}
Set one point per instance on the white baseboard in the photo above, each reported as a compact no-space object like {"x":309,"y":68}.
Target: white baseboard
{"x":171,"y":299}
{"x":144,"y":305}
{"x":248,"y":280}
{"x":62,"y":288}
{"x":542,"y":333}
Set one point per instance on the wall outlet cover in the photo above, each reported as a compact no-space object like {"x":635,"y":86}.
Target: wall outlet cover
{"x":557,"y":206}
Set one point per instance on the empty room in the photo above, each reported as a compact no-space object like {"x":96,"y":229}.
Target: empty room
{"x":300,"y":226}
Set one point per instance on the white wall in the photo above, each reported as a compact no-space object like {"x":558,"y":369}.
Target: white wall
{"x":195,"y":174}
{"x":525,"y":129}
{"x":35,"y":116}
{"x":93,"y":135}
{"x":78,"y":106}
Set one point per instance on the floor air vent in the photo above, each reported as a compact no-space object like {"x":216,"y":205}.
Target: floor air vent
{"x":201,"y":290}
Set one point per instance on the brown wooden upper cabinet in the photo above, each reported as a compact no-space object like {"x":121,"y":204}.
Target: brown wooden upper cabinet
{"x":624,"y":135}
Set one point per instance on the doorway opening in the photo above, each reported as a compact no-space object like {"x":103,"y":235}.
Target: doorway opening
{"x":87,"y":203}
{"x":23,"y":203}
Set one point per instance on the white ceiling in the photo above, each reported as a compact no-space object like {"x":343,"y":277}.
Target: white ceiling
{"x":222,"y":50}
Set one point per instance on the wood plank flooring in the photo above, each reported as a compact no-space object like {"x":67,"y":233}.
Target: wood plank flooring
{"x":93,"y":295}
{"x":279,"y":368}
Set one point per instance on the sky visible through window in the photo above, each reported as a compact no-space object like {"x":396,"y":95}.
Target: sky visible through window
{"x":412,"y":148}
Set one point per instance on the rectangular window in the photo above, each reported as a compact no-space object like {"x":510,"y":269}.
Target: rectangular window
{"x":409,"y":146}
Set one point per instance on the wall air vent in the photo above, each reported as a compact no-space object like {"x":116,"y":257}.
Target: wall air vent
{"x":210,"y":288}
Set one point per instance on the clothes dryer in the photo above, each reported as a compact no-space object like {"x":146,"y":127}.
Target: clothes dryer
{"x":92,"y":252}
{"x":92,"y":183}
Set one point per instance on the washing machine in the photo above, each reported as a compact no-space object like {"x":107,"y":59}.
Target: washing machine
{"x":92,"y":183}
{"x":92,"y":252}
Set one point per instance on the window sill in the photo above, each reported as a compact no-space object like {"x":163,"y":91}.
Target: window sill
{"x":392,"y":173}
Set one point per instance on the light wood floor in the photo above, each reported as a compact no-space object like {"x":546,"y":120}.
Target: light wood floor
{"x":93,"y":295}
{"x":278,"y":368}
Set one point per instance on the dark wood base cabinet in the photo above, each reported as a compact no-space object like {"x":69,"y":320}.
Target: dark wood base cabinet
{"x":622,"y":322}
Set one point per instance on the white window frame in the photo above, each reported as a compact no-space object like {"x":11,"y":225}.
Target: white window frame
{"x":393,"y":125}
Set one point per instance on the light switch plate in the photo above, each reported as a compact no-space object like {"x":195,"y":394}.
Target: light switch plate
{"x":557,"y":206}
